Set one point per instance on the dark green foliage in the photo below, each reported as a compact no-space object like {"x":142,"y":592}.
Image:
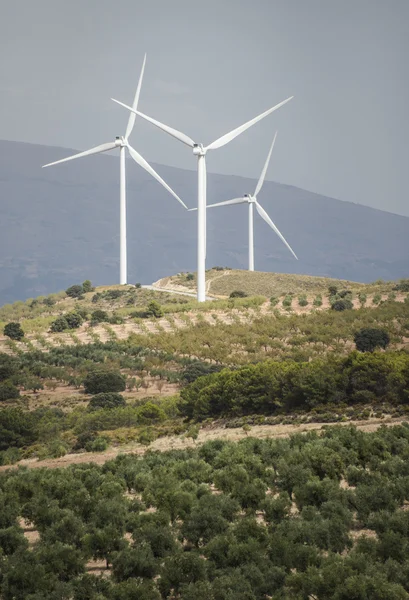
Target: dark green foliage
{"x":71,"y":320}
{"x":75,"y":291}
{"x":106,"y":400}
{"x":8,"y":391}
{"x":345,"y":293}
{"x":113,"y":294}
{"x":138,"y":286}
{"x":368,"y":339}
{"x":74,"y":320}
{"x":154,"y":309}
{"x":60,"y":324}
{"x":195,"y":536}
{"x":49,"y":301}
{"x":198,"y":369}
{"x":87,"y":286}
{"x":99,"y":316}
{"x":238,"y":294}
{"x":16,"y":428}
{"x":343,"y":304}
{"x":332,"y":290}
{"x":190,"y":277}
{"x":14,"y":331}
{"x":402,"y":286}
{"x":104,"y":381}
{"x":270,"y":386}
{"x":9,"y":366}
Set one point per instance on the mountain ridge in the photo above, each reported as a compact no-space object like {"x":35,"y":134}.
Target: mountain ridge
{"x":61,"y":225}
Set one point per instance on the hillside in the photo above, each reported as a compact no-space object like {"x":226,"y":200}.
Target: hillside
{"x":61,"y":224}
{"x":165,"y":343}
{"x":222,"y":282}
{"x":237,"y":449}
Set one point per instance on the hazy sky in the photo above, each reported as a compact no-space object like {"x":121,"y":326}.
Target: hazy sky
{"x":211,"y":66}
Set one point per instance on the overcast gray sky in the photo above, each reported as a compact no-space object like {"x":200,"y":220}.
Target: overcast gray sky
{"x":211,"y":66}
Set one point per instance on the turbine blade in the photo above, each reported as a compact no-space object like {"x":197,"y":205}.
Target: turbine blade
{"x":267,"y":219}
{"x":96,"y":150}
{"x":145,"y":165}
{"x":225,"y":203}
{"x":225,"y":139}
{"x":132,"y":116}
{"x":173,"y":132}
{"x":264,"y":171}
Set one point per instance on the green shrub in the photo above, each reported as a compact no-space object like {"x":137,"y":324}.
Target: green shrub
{"x":138,"y":286}
{"x":75,"y":291}
{"x":154,"y":309}
{"x":317,"y":300}
{"x":14,"y":331}
{"x":274,"y":300}
{"x":104,"y":381}
{"x":332,"y":290}
{"x":87,"y":286}
{"x":368,"y":339}
{"x":60,"y":324}
{"x":402,"y":286}
{"x":99,"y":444}
{"x":9,"y":366}
{"x":17,"y":428}
{"x":8,"y":391}
{"x":287,"y":301}
{"x":362,"y":298}
{"x":49,"y":301}
{"x":190,"y":277}
{"x":302,"y":300}
{"x":74,"y":320}
{"x":106,"y":400}
{"x":238,"y":294}
{"x":99,"y":316}
{"x":199,"y":369}
{"x":376,"y":299}
{"x":343,"y":304}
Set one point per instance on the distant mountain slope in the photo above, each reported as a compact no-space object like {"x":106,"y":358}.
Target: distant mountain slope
{"x":61,"y":225}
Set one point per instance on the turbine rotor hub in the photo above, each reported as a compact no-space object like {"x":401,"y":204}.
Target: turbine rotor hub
{"x":120,"y":141}
{"x":198,"y":150}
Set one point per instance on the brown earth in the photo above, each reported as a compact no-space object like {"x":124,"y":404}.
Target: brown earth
{"x":178,"y":442}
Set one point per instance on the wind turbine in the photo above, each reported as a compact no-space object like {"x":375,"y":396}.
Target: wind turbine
{"x":200,"y":151}
{"x":251,"y":200}
{"x":122,"y":143}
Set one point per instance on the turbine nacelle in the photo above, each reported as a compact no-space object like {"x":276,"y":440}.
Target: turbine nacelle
{"x":120,"y":141}
{"x":250,"y":199}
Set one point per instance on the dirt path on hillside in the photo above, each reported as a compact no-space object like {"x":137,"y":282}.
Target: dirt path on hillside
{"x":179,"y":442}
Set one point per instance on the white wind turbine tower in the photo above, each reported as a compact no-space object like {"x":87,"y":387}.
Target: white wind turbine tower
{"x":122,"y":143}
{"x":251,"y":200}
{"x":200,"y":151}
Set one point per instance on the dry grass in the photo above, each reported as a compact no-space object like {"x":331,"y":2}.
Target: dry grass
{"x":222,"y":283}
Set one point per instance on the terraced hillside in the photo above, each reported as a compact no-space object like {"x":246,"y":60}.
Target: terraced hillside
{"x":159,"y":343}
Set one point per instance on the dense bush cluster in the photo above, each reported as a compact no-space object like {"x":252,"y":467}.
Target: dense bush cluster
{"x":306,"y":517}
{"x":269,"y":386}
{"x":14,"y":331}
{"x":77,"y":290}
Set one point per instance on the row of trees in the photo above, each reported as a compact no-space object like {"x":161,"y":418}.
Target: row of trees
{"x":278,"y":518}
{"x":269,"y":386}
